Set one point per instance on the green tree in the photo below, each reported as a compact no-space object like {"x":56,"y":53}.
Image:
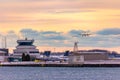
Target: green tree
{"x":23,"y":57}
{"x":27,"y":57}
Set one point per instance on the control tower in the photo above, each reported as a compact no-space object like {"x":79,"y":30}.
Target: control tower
{"x":26,"y":46}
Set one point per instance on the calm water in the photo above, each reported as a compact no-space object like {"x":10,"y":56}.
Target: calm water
{"x":47,"y":73}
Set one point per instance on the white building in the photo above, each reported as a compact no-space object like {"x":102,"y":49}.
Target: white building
{"x":80,"y":57}
{"x":26,"y":46}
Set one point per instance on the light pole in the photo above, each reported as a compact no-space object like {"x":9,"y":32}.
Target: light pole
{"x":83,"y":34}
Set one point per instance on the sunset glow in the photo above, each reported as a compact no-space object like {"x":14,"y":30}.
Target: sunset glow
{"x":61,"y":18}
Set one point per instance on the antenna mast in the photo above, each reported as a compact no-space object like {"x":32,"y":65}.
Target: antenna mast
{"x":5,"y":42}
{"x":75,"y":47}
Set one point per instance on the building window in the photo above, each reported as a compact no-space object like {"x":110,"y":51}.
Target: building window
{"x":34,"y":52}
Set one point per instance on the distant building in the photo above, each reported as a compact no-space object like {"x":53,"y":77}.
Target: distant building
{"x":47,"y":53}
{"x":5,"y":50}
{"x":66,"y":53}
{"x":80,"y":57}
{"x":26,"y":46}
{"x":3,"y":57}
{"x":14,"y":59}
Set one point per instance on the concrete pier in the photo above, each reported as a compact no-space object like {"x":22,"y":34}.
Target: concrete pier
{"x":108,"y":63}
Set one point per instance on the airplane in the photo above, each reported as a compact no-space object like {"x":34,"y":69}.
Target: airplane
{"x":85,"y":34}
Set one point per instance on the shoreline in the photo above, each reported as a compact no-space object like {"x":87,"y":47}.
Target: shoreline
{"x":53,"y":64}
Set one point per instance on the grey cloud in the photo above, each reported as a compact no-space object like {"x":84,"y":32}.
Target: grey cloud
{"x":11,"y":38}
{"x":60,"y":39}
{"x":43,"y":35}
{"x":75,"y":32}
{"x":43,"y":38}
{"x":112,"y":31}
{"x":50,"y":32}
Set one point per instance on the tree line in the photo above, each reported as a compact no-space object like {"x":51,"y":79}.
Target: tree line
{"x":25,"y":57}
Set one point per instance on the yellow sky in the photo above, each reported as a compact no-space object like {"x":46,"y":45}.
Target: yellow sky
{"x":54,"y":14}
{"x":59,"y":15}
{"x":100,"y":18}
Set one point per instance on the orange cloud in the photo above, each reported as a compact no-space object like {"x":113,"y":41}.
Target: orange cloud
{"x":59,"y":15}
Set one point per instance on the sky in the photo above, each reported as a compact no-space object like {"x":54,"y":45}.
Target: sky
{"x":53,"y":23}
